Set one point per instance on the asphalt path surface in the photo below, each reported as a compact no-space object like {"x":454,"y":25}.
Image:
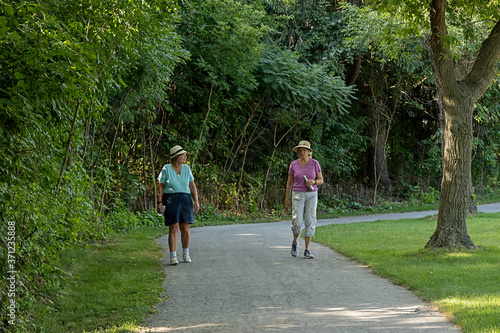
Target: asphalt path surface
{"x":243,"y":279}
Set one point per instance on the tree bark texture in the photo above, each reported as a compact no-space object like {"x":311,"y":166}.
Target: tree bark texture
{"x":378,"y":172}
{"x":451,"y":230}
{"x":378,"y":115}
{"x":459,"y":92}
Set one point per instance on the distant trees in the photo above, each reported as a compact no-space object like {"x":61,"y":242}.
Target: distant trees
{"x":389,"y":71}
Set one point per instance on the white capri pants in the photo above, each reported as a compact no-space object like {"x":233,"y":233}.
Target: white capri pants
{"x":304,"y":206}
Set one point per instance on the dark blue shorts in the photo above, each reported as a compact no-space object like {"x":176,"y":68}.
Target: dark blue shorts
{"x":178,"y":208}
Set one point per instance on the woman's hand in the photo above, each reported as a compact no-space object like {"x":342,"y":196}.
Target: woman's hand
{"x":196,"y":207}
{"x":287,"y":206}
{"x":310,"y":182}
{"x":158,"y":209}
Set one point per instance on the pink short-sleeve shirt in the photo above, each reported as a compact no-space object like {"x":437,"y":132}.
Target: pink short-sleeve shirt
{"x":298,"y":171}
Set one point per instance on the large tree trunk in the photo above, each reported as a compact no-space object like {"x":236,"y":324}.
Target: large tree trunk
{"x":451,"y":231}
{"x":458,"y":97}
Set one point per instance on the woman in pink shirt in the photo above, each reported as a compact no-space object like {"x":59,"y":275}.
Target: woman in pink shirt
{"x":303,"y":177}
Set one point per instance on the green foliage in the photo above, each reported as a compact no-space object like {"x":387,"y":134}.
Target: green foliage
{"x":224,"y":38}
{"x":468,"y":23}
{"x":408,"y":52}
{"x":313,"y":29}
{"x":337,"y":146}
{"x":430,"y":197}
{"x":294,"y":83}
{"x":430,"y":168}
{"x":485,"y":144}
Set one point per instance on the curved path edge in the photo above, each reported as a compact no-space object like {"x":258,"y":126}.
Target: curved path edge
{"x":243,"y":279}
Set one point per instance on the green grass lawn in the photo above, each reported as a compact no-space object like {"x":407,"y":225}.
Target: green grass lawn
{"x":464,"y":285}
{"x":111,"y":287}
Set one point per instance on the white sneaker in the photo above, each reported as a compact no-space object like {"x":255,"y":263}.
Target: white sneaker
{"x":186,"y":257}
{"x":308,"y":255}
{"x":173,"y":261}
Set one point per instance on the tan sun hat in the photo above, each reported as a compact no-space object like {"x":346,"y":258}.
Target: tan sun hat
{"x":176,"y":151}
{"x":302,"y":144}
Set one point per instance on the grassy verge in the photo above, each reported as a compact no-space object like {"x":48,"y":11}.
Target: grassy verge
{"x":464,"y":285}
{"x":111,"y":287}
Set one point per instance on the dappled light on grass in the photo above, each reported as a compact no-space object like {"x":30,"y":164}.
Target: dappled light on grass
{"x":459,"y":254}
{"x":471,"y":312}
{"x":479,"y":302}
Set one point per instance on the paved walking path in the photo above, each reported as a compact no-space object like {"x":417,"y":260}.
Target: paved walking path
{"x":243,"y":279}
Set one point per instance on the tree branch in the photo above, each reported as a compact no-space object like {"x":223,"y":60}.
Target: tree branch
{"x":442,"y":56}
{"x":483,"y":72}
{"x":198,"y":148}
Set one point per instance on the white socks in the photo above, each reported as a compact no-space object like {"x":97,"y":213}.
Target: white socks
{"x":174,"y":253}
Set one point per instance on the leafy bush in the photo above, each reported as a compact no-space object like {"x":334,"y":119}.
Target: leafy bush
{"x":429,"y":197}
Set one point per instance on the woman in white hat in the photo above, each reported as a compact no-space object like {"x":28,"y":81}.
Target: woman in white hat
{"x":175,"y":188}
{"x":303,"y":177}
